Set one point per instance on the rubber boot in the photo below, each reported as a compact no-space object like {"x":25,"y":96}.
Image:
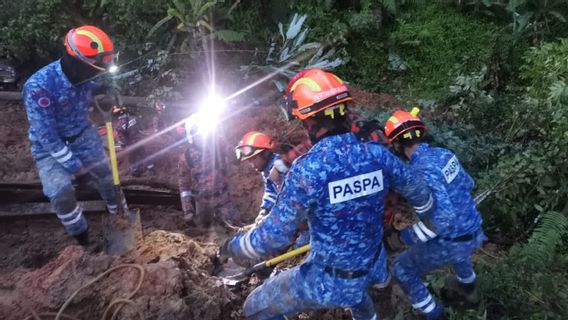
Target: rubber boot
{"x":83,"y":238}
{"x":460,"y":294}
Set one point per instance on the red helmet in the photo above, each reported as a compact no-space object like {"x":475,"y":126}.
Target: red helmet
{"x":402,"y":122}
{"x":92,"y":46}
{"x":315,"y":90}
{"x":252,"y":144}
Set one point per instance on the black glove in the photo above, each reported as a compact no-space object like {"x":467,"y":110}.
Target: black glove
{"x":225,"y":251}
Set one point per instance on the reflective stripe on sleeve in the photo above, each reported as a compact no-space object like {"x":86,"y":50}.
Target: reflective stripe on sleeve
{"x":419,"y":233}
{"x":270,"y":197}
{"x":64,"y":158}
{"x":425,"y":207}
{"x":427,"y":231}
{"x":246,"y":246}
{"x":61,"y":152}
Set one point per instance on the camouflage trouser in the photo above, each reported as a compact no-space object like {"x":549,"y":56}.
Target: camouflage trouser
{"x":56,"y":180}
{"x":422,"y":258}
{"x":308,"y":287}
{"x":212,"y":208}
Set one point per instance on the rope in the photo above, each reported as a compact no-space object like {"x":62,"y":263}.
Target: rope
{"x":119,"y":302}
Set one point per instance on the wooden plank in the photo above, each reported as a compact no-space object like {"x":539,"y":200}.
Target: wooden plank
{"x":44,"y":208}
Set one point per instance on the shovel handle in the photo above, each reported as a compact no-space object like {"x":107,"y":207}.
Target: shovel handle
{"x":287,"y":255}
{"x":112,"y":154}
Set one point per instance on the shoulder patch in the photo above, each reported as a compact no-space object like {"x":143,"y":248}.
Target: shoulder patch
{"x":44,"y":102}
{"x":41,"y":97}
{"x":451,"y":169}
{"x":355,"y":187}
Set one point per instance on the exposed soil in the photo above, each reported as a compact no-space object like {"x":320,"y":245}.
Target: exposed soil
{"x":40,"y":267}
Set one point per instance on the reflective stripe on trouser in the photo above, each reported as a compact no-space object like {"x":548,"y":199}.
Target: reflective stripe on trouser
{"x":307,"y":287}
{"x":74,"y":221}
{"x":56,"y":180}
{"x":57,"y":187}
{"x":422,"y":258}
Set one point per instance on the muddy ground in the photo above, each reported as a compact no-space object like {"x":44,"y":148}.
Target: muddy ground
{"x":40,"y":267}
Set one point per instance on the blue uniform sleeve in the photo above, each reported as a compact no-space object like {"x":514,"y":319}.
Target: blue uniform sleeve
{"x":39,"y":105}
{"x":269,"y":196}
{"x":278,"y":230}
{"x":405,"y":182}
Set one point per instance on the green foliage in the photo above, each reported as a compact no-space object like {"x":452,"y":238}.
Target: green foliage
{"x":194,"y":20}
{"x":436,"y":42}
{"x":288,"y":53}
{"x":545,"y":67}
{"x":531,"y":282}
{"x":536,"y":20}
{"x":35,"y":29}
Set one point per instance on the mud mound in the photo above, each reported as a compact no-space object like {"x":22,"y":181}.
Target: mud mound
{"x":176,"y":285}
{"x":372,"y":100}
{"x":15,"y":161}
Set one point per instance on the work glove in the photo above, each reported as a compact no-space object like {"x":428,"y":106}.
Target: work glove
{"x":225,"y":251}
{"x":262,"y":214}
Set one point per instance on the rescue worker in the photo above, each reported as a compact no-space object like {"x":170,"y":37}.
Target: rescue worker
{"x":202,"y":180}
{"x":256,"y":148}
{"x":63,"y":141}
{"x":338,"y":187}
{"x":450,"y":232}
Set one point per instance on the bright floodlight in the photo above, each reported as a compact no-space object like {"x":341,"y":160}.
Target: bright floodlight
{"x":210,"y":112}
{"x":113,"y":69}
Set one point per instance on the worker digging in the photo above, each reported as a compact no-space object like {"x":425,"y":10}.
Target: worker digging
{"x":264,"y":226}
{"x":63,"y":141}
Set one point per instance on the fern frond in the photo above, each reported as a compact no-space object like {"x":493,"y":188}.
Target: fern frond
{"x":548,"y":235}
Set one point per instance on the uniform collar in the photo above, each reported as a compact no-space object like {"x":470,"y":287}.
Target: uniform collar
{"x":333,"y":141}
{"x":64,"y":80}
{"x":422,"y":148}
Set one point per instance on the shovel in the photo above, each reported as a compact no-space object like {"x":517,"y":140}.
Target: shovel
{"x":122,"y":231}
{"x":240,"y":276}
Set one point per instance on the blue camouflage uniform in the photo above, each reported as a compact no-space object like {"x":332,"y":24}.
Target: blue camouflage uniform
{"x":270,"y":187}
{"x":445,"y":236}
{"x":339,"y":188}
{"x":63,"y":141}
{"x":270,"y":195}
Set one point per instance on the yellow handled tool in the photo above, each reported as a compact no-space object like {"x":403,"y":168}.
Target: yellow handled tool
{"x":107,"y":117}
{"x":121,"y":232}
{"x":241,"y":276}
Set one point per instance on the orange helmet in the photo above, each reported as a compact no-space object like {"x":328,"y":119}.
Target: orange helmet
{"x":402,"y":122}
{"x":92,"y":46}
{"x":253,"y":143}
{"x":313,"y":91}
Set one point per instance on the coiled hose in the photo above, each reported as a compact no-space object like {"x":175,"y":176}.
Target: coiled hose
{"x":119,"y":302}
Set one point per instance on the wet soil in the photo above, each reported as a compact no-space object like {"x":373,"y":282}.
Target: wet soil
{"x":40,"y":266}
